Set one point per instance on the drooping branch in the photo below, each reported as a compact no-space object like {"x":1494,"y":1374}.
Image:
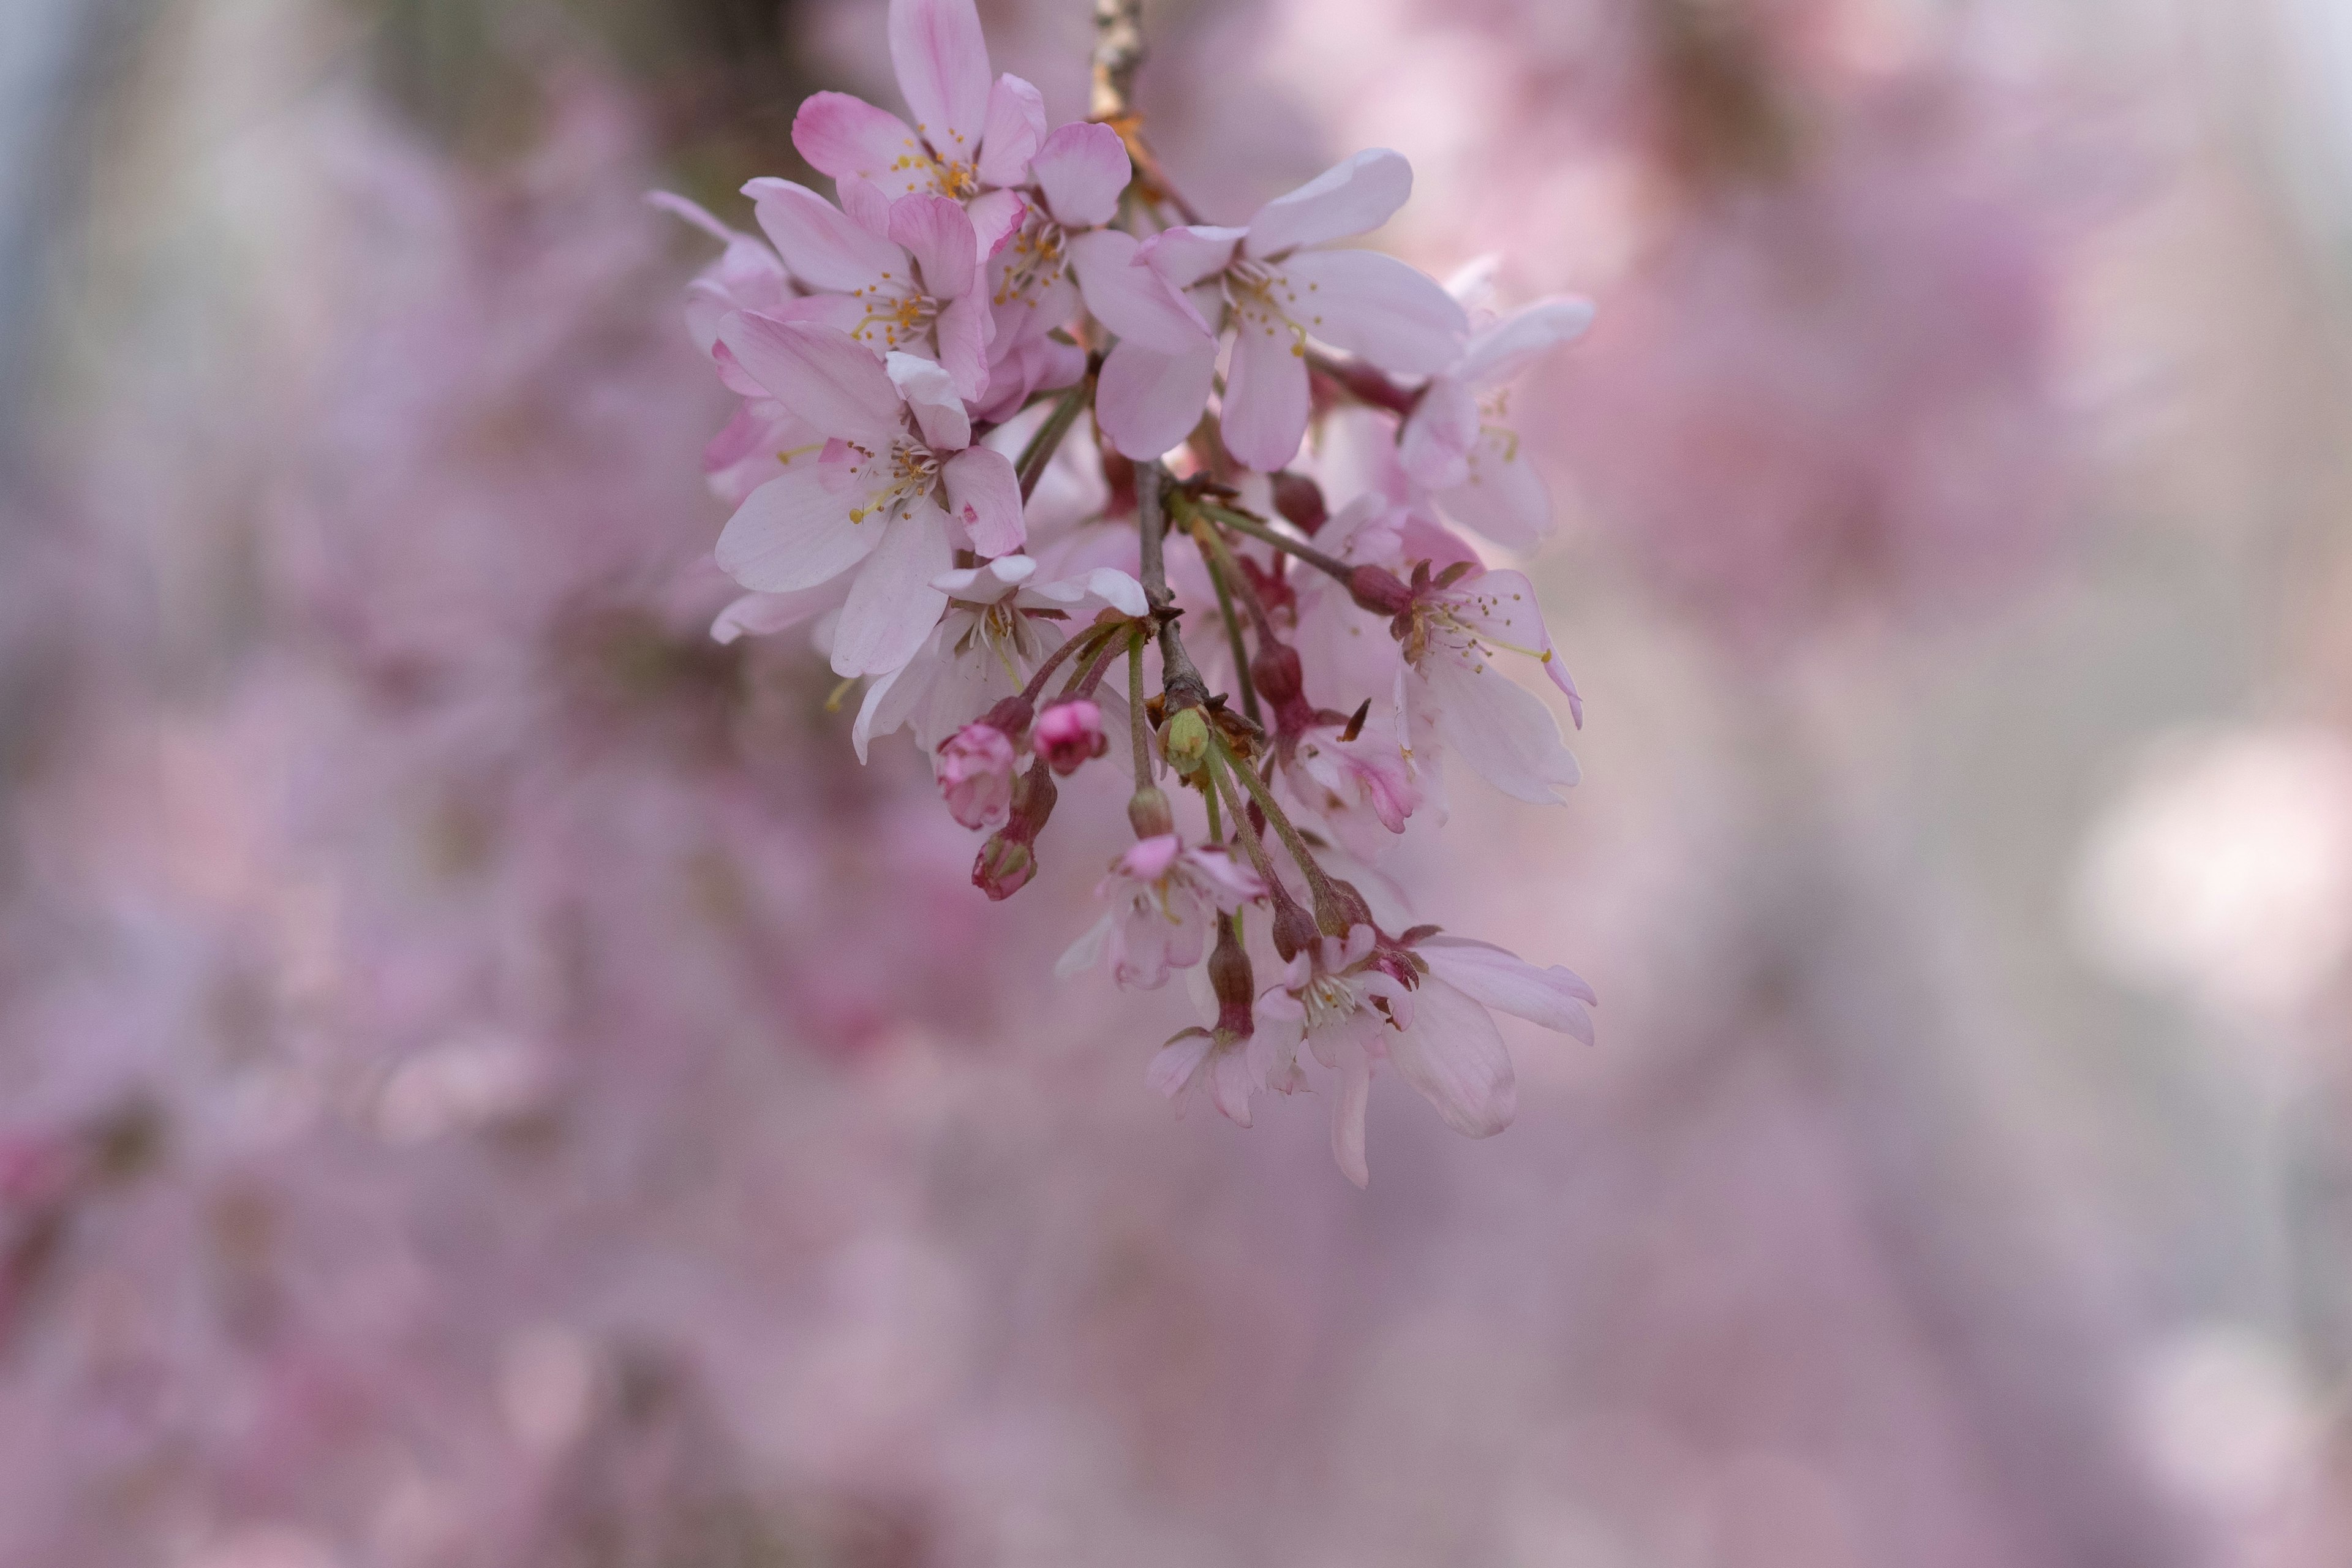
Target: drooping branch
{"x":1180,"y":681}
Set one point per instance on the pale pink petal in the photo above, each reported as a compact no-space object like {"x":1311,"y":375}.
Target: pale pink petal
{"x":1453,"y":1055}
{"x":984,"y":493}
{"x":868,"y":206}
{"x":1504,"y":607}
{"x":892,"y":606}
{"x":1170,"y":1072}
{"x":938,"y":234}
{"x":793,"y":532}
{"x":930,"y":392}
{"x":757,"y":615}
{"x":1502,"y":730}
{"x":1230,"y":1086}
{"x":1133,"y":302}
{"x":693,"y":211}
{"x":1554,"y":997}
{"x":964,"y":329}
{"x":844,"y":137}
{"x":821,"y":374}
{"x":891,"y":697}
{"x":988,"y":582}
{"x":942,"y":63}
{"x":996,"y":217}
{"x":1502,"y":495}
{"x":1354,"y":198}
{"x":1348,"y":1109}
{"x":1116,"y":589}
{"x":1434,"y":445}
{"x":1265,"y":394}
{"x":1082,"y":168}
{"x":1376,"y":306}
{"x":1227,"y":881}
{"x":1185,"y":255}
{"x":1147,"y":402}
{"x":1015,"y":127}
{"x":1505,"y":349}
{"x":1087,"y":952}
{"x":817,"y":240}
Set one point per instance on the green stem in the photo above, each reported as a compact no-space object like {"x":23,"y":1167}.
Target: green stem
{"x":1327,"y":902}
{"x":1242,"y":522}
{"x":1048,"y":438}
{"x":1221,"y":562}
{"x":1136,"y":719}
{"x":1218,"y":782}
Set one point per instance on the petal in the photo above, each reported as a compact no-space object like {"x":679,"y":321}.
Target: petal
{"x":1082,"y":168}
{"x":757,"y":615}
{"x":1187,"y":255}
{"x":995,"y":218}
{"x":821,"y":374}
{"x":988,"y":582}
{"x":793,"y":532}
{"x":1434,"y":445}
{"x":1505,"y":349}
{"x":890,"y":699}
{"x":1376,"y":306}
{"x":930,"y":392}
{"x":817,"y":240}
{"x":1087,"y":952}
{"x":1504,"y":607}
{"x":844,"y":137}
{"x":942,"y":63}
{"x":1348,"y":1117}
{"x":1501,"y":495}
{"x":1010,"y":135}
{"x":938,"y":234}
{"x":1116,"y":589}
{"x":1230,"y":1086}
{"x":1147,"y":401}
{"x":1133,"y":302}
{"x":1504,"y":731}
{"x":964,"y":329}
{"x":1172,"y":1065}
{"x":1554,"y":997}
{"x":985,"y":493}
{"x":1266,"y":393}
{"x":892,"y":606}
{"x":1454,"y":1055}
{"x":1354,"y":198}
{"x":868,"y":205}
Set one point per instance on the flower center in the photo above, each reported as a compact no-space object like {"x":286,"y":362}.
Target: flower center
{"x":1329,"y":1001}
{"x":899,"y":313}
{"x":1262,"y":298}
{"x":1032,"y":262}
{"x":898,"y":480}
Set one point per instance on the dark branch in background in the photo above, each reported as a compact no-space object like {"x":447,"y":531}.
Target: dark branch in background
{"x":1118,"y":54}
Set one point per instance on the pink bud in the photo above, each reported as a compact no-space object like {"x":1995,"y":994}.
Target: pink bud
{"x":1069,"y":734}
{"x":1003,"y":867}
{"x":975,"y":775}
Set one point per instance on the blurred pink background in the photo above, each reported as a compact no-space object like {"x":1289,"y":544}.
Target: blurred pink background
{"x":487,"y":1078}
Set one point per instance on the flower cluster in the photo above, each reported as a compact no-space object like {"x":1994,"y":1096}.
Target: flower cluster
{"x":987,"y":301}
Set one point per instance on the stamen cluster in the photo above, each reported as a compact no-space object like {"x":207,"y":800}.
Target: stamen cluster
{"x":988,"y":302}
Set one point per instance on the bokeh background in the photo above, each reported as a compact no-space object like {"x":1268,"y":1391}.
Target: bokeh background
{"x":486,"y":1079}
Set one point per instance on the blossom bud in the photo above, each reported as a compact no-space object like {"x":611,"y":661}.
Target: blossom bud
{"x":1379,"y":591}
{"x":1069,"y":734}
{"x":976,"y":776}
{"x":1148,"y":811}
{"x":1293,"y":929}
{"x":1004,"y":866}
{"x":1300,"y":501}
{"x":1186,"y":740}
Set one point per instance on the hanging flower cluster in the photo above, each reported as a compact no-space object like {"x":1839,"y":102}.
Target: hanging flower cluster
{"x":988,"y":301}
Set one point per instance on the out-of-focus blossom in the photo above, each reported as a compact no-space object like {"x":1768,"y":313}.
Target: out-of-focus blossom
{"x":1165,"y":895}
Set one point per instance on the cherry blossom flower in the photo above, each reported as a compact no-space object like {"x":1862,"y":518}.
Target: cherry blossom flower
{"x":1455,"y":441}
{"x":1080,"y":172}
{"x":897,"y":440}
{"x":998,"y":626}
{"x":976,"y":776}
{"x":1165,"y":895}
{"x":1276,"y":288}
{"x":898,"y":276}
{"x":971,"y":139}
{"x":1421,"y":1005}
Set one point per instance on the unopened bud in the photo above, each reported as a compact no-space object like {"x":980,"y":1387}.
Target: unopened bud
{"x":1186,"y":740}
{"x":1148,"y":811}
{"x":1003,"y":867}
{"x":1069,"y":734}
{"x":1351,"y":908}
{"x":976,"y":776}
{"x":1293,"y":929}
{"x":1378,"y":590}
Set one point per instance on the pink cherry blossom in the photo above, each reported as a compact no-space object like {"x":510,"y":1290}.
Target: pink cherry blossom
{"x":898,"y":443}
{"x":976,"y":776}
{"x":1165,"y":895}
{"x":1069,"y":734}
{"x":971,"y":139}
{"x":1278,"y":288}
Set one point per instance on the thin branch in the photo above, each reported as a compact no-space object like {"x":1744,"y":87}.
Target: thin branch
{"x":1243,"y":522}
{"x":1118,"y":54}
{"x":1179,"y":681}
{"x":1220,"y":563}
{"x":1042,"y":445}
